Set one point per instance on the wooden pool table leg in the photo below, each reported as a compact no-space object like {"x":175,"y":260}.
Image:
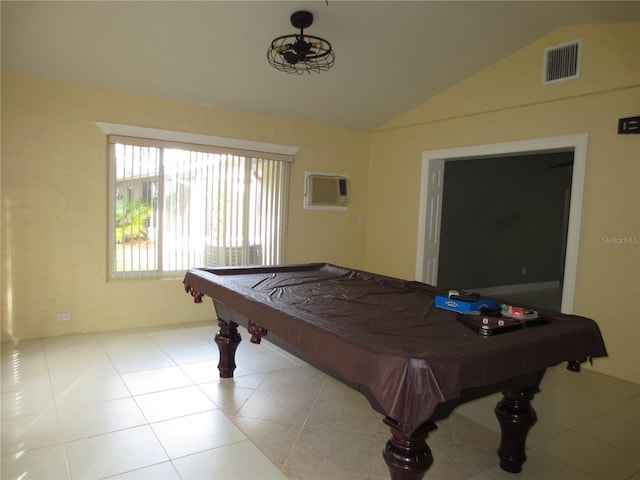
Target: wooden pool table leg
{"x":408,"y":457}
{"x":516,"y":417}
{"x":227,"y":340}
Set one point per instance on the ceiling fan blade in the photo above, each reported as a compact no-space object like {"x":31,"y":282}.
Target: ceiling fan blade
{"x":283,"y":48}
{"x":290,"y":57}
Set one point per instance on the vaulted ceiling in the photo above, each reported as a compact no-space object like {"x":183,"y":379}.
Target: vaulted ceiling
{"x":390,"y":55}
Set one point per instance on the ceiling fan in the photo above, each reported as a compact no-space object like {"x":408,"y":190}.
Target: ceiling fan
{"x":299,"y":53}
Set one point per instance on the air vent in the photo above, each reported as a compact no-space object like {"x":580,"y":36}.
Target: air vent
{"x":562,"y":62}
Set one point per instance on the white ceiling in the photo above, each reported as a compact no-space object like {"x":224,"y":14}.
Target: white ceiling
{"x":390,"y":55}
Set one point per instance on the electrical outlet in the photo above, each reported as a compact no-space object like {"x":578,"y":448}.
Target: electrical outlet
{"x":63,"y":317}
{"x":523,"y":271}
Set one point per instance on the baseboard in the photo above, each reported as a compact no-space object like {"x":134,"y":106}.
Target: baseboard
{"x":520,"y":287}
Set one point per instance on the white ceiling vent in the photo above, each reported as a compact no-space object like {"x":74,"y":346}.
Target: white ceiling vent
{"x":562,"y":62}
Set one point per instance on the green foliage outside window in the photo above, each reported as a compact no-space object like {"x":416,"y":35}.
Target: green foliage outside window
{"x":132,"y":220}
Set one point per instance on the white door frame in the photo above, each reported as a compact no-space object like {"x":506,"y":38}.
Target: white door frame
{"x":431,"y":205}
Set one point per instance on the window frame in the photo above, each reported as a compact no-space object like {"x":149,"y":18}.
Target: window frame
{"x":129,"y":135}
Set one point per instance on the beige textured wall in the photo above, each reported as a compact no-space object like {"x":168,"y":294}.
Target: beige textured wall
{"x":507,"y":102}
{"x":54,"y":204}
{"x":54,"y":187}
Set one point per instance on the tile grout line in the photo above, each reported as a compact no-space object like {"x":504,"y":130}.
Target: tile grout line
{"x":194,"y":383}
{"x":59,"y":348}
{"x":293,"y":446}
{"x":55,"y":404}
{"x":148,"y":424}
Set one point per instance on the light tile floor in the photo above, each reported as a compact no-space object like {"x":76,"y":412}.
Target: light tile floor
{"x":148,"y":404}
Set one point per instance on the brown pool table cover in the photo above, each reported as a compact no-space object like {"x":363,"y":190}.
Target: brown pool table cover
{"x":386,"y":334}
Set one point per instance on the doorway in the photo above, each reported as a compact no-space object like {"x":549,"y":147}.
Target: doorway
{"x":431,"y":202}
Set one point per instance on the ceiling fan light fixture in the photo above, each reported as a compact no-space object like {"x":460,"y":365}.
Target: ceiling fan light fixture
{"x":300,"y":53}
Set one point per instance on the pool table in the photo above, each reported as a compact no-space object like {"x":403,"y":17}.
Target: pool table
{"x":384,"y":337}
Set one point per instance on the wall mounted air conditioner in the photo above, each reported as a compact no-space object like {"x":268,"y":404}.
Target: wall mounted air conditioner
{"x":326,"y":191}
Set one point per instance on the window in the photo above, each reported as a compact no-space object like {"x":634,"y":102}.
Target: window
{"x":175,"y":206}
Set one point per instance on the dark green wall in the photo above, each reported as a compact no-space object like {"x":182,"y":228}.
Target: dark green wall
{"x":500,"y":215}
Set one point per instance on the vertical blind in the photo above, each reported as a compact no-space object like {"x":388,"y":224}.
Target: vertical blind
{"x":178,"y":206}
